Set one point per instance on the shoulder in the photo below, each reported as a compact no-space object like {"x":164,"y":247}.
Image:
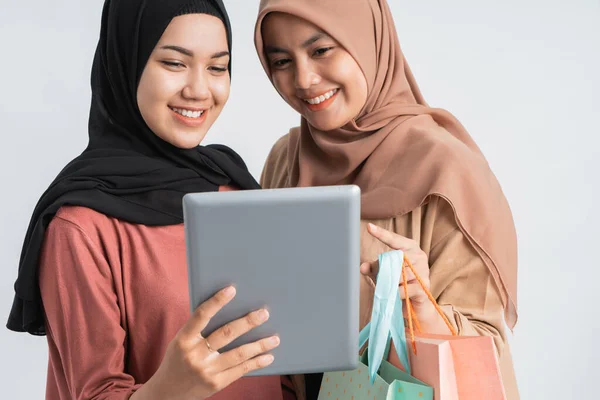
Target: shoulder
{"x":280,"y":148}
{"x":83,"y":222}
{"x":438,"y":218}
{"x":80,"y":216}
{"x":275,"y":170}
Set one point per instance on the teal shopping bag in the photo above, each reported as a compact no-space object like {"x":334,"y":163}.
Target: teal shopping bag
{"x":390,"y":383}
{"x":375,"y":378}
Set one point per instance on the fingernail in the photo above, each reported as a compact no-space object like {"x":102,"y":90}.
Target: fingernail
{"x":263,"y":315}
{"x":373,"y":227}
{"x":267,"y":359}
{"x":275,"y":340}
{"x":230,"y":291}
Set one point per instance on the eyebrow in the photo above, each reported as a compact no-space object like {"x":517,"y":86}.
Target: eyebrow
{"x":181,"y":50}
{"x":314,"y":38}
{"x":220,"y":54}
{"x":189,"y":53}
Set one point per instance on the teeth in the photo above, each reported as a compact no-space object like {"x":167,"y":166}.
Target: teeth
{"x":322,"y":98}
{"x":188,"y":113}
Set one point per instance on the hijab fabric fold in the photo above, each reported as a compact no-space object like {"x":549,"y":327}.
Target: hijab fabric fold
{"x":126,"y":171}
{"x":398,"y":150}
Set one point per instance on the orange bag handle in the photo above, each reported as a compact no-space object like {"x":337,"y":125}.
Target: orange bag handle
{"x":412,"y":315}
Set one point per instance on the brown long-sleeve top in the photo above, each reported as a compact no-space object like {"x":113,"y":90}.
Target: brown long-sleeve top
{"x":115,"y":294}
{"x":460,"y":281}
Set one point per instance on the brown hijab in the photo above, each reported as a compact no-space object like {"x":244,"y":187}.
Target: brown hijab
{"x":398,"y":150}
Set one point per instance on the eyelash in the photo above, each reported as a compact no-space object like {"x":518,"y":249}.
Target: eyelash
{"x":172,"y":64}
{"x":281,"y":63}
{"x":319,"y":52}
{"x":178,"y":65}
{"x":324,"y":50}
{"x":219,"y":69}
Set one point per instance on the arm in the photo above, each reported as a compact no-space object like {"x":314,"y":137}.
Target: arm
{"x":455,"y":274}
{"x":462,"y":283}
{"x":466,"y":292}
{"x":87,"y":341}
{"x":465,"y":289}
{"x":85,"y":336}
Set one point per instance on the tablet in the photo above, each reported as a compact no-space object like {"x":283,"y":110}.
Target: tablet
{"x":295,"y":251}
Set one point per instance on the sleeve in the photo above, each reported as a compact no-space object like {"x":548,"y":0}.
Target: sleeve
{"x":462,"y":283}
{"x":274,"y":173}
{"x":85,"y":337}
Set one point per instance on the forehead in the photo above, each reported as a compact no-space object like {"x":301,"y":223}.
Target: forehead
{"x":283,"y":27}
{"x":196,"y":32}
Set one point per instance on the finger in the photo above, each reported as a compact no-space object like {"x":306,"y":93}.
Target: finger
{"x":205,"y":311}
{"x":370,"y":269}
{"x":420,"y":265}
{"x":232,"y":330}
{"x":391,"y":239}
{"x":410,"y":279}
{"x":415,"y":292}
{"x":235,"y":373}
{"x":421,"y":270}
{"x":241,"y":354}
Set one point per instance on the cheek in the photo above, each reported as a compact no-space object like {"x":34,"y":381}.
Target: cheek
{"x":220,"y":90}
{"x":145,"y":98}
{"x":282,"y":82}
{"x":351,"y":77}
{"x":155,"y":89}
{"x":362,"y":90}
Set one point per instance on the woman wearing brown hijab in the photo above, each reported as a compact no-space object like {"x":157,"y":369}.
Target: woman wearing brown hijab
{"x":426,"y":187}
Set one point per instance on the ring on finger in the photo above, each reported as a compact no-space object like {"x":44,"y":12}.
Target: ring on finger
{"x":208,"y":346}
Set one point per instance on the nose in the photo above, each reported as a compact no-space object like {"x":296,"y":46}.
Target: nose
{"x":306,"y":76}
{"x":197,"y":86}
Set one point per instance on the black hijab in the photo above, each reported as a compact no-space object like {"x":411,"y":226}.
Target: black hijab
{"x":126,"y":171}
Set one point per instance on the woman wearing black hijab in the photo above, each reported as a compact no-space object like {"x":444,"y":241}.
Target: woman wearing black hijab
{"x":102,"y":271}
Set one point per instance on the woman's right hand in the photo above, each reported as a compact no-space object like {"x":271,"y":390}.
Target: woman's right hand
{"x":192,"y":367}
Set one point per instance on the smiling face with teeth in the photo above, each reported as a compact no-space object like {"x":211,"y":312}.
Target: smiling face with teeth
{"x":312,"y":72}
{"x":185,"y":83}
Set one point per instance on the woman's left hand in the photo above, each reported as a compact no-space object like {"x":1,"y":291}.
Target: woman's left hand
{"x":424,"y":309}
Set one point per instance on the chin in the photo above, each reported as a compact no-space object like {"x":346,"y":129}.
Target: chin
{"x":187,"y":146}
{"x":326,"y":125}
{"x":185,"y":142}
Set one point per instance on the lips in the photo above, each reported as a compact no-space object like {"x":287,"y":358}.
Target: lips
{"x":190,"y":118}
{"x":187,"y":112}
{"x":322,"y":101}
{"x":321,"y":98}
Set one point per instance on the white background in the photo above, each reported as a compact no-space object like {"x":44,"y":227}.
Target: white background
{"x":519,"y":75}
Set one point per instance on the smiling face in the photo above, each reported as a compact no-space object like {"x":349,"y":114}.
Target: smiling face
{"x":313,"y":73}
{"x":186,"y":81}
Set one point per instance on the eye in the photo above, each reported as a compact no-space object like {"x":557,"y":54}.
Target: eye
{"x":218,"y":69}
{"x":173,"y":64}
{"x":322,"y":51}
{"x":281,"y":63}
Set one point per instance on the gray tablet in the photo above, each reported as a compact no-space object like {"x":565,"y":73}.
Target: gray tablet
{"x":294,"y":251}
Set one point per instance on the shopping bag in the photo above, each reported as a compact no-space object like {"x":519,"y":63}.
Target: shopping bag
{"x":375,"y":378}
{"x":390,"y":383}
{"x":457,"y":367}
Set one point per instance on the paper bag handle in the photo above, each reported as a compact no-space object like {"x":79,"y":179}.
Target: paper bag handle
{"x":412,"y":317}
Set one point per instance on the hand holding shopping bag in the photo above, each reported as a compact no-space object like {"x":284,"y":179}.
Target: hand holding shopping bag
{"x":375,"y":378}
{"x":454,"y":367}
{"x":457,"y":367}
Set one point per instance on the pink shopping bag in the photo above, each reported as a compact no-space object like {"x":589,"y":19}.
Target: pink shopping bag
{"x":457,"y":367}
